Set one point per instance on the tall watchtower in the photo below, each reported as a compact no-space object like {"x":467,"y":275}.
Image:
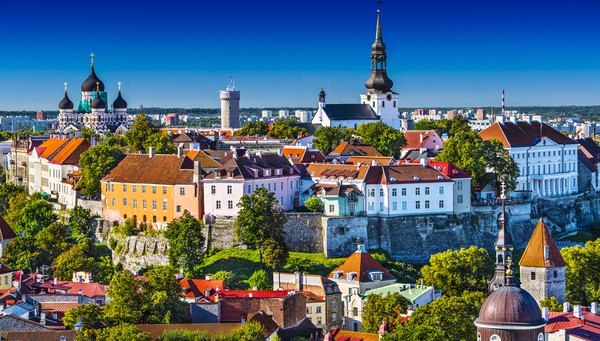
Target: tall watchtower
{"x":230,"y":107}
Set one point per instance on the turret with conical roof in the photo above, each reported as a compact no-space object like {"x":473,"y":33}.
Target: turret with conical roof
{"x":542,"y":266}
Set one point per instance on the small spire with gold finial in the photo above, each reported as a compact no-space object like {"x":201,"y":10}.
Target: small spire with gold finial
{"x":97,"y":86}
{"x":65,"y":87}
{"x":92,"y":55}
{"x":119,"y":86}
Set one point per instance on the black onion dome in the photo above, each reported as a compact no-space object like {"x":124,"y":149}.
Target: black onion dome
{"x":119,"y":103}
{"x":89,"y":85}
{"x":510,"y":306}
{"x":66,"y":103}
{"x":98,"y":103}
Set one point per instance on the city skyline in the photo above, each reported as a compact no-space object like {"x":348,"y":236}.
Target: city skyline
{"x":181,"y":54}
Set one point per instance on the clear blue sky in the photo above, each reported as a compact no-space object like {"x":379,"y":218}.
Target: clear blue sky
{"x":280,"y":53}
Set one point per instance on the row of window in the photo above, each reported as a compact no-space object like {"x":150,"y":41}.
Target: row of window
{"x":213,"y":188}
{"x":218,"y":205}
{"x":371,"y":205}
{"x":541,"y":154}
{"x":417,"y":191}
{"x":144,"y":206}
{"x":111,"y":188}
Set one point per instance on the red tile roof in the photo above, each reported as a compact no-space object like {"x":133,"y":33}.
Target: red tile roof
{"x":523,"y":133}
{"x":449,"y":169}
{"x":574,"y":326}
{"x":159,"y":169}
{"x":303,"y":154}
{"x":93,"y":289}
{"x":361,"y":263}
{"x":346,"y":148}
{"x":6,"y":232}
{"x":534,"y":253}
{"x":197,"y":286}
{"x":380,"y":160}
{"x":57,"y":307}
{"x":70,"y":152}
{"x":413,"y":138}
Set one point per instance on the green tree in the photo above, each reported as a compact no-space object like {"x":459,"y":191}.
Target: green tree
{"x":327,"y":138}
{"x":16,"y":204}
{"x":260,"y":279}
{"x":259,"y":225}
{"x":104,"y":270}
{"x":228,"y":277}
{"x":286,"y":129}
{"x":463,"y":150}
{"x":95,"y":163}
{"x":552,"y":304}
{"x":380,"y":308}
{"x":162,"y":142}
{"x":51,"y":242}
{"x":582,"y":273}
{"x":253,"y":129}
{"x":122,"y":332}
{"x":22,"y":254}
{"x":126,"y":300}
{"x":186,"y":242}
{"x":92,"y":316}
{"x":140,"y":131}
{"x":315,"y":204}
{"x":441,"y":127}
{"x":80,"y":221}
{"x":501,"y":164}
{"x":7,"y":192}
{"x":164,"y":300}
{"x":455,"y":271}
{"x":414,"y":332}
{"x":75,"y":259}
{"x":386,"y":139}
{"x":36,"y":215}
{"x":454,"y":316}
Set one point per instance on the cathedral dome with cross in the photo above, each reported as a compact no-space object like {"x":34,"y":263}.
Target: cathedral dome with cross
{"x":92,"y":111}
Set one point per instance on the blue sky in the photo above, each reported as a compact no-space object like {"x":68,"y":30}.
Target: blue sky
{"x":280,"y":53}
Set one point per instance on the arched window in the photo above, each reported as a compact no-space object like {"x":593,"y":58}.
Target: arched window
{"x":500,"y":259}
{"x":355,"y":311}
{"x":478,"y":337}
{"x":495,"y":338}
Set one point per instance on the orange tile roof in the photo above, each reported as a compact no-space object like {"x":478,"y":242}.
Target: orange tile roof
{"x":89,"y":289}
{"x":197,"y":286}
{"x":534,"y":253}
{"x":365,"y":150}
{"x":316,"y":169}
{"x":381,"y":160}
{"x":344,"y":335}
{"x":361,"y":262}
{"x":50,"y":146}
{"x":70,"y":153}
{"x":522,"y":133}
{"x":160,"y":169}
{"x":58,"y":307}
{"x":205,"y":160}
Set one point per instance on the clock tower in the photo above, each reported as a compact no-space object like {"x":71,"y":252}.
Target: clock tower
{"x":379,"y":94}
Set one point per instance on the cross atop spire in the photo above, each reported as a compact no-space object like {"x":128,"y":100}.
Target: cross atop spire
{"x":65,"y":87}
{"x":119,"y":86}
{"x":92,"y":55}
{"x":503,"y":186}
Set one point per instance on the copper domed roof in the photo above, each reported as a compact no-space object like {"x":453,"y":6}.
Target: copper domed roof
{"x":66,"y":103}
{"x":510,"y":306}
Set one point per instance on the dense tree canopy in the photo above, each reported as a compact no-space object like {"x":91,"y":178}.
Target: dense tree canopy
{"x":95,"y":163}
{"x":80,"y":220}
{"x":261,"y":280}
{"x":140,"y":131}
{"x":259,"y":128}
{"x":583,"y":273}
{"x":162,"y":142}
{"x":441,"y":126}
{"x":455,"y":271}
{"x":386,"y":139}
{"x":7,"y":192}
{"x":75,"y":259}
{"x":186,"y":242}
{"x":380,"y":308}
{"x":327,"y":138}
{"x":286,"y":129}
{"x":33,"y":217}
{"x":259,"y":225}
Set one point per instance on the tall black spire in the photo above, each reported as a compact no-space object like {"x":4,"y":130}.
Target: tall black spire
{"x":379,"y":82}
{"x":504,"y":248}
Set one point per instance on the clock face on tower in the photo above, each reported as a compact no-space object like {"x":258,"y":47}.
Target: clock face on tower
{"x":389,"y":97}
{"x":368,"y":97}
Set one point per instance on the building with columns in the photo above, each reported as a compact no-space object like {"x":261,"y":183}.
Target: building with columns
{"x":93,"y":111}
{"x":546,"y":158}
{"x":378,"y":103}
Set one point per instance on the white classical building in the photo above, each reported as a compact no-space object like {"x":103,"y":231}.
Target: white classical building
{"x":546,"y":158}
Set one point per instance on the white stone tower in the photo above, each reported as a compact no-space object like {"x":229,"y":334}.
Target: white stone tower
{"x":230,"y":107}
{"x":543,"y":267}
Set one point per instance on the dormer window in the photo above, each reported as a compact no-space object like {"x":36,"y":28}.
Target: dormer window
{"x":312,"y":156}
{"x":267,"y":172}
{"x":255,"y":173}
{"x":376,"y":276}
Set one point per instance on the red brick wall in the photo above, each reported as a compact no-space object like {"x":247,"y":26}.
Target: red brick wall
{"x":287,"y":311}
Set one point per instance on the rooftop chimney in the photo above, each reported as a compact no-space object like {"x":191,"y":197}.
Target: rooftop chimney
{"x":179,"y":151}
{"x":208,"y":277}
{"x":259,"y":153}
{"x":207,"y":292}
{"x":255,"y":288}
{"x":373,"y":163}
{"x":527,"y":118}
{"x":500,"y":119}
{"x":55,"y":281}
{"x":151,"y":151}
{"x":566,"y":307}
{"x":421,"y":138}
{"x":352,"y":140}
{"x":513,"y":119}
{"x":594,"y":308}
{"x":423,"y":162}
{"x":280,"y":152}
{"x":545,"y":314}
{"x":577,"y":311}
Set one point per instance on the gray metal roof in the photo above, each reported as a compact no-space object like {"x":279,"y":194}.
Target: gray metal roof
{"x":339,"y":112}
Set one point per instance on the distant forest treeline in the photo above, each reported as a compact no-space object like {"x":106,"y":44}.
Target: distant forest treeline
{"x":591,"y":113}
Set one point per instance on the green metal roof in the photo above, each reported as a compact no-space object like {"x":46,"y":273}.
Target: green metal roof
{"x":412,"y":294}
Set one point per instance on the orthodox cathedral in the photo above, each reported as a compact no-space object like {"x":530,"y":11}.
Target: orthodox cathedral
{"x":378,"y":103}
{"x":93,"y":111}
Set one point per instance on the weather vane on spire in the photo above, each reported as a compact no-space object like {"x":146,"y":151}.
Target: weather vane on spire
{"x":119,"y":86}
{"x":65,"y":86}
{"x":379,"y":3}
{"x":92,"y":55}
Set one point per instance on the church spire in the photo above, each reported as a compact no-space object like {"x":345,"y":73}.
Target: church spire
{"x":504,"y":248}
{"x":379,"y":82}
